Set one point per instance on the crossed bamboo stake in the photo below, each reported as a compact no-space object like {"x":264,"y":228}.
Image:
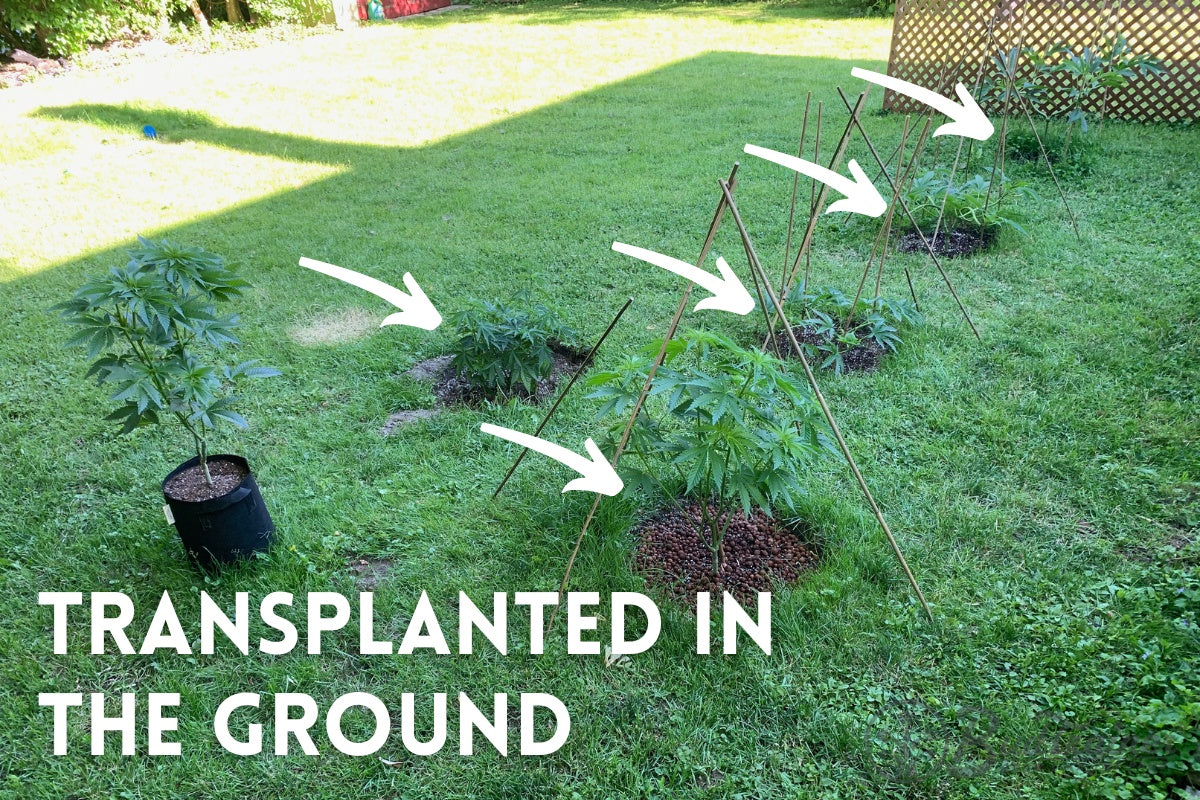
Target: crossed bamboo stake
{"x":756,"y":267}
{"x":762,"y":284}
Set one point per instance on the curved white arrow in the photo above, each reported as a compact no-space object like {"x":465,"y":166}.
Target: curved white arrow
{"x":598,"y":475}
{"x":861,"y":195}
{"x":415,"y":309}
{"x":968,"y":118}
{"x":728,"y":292}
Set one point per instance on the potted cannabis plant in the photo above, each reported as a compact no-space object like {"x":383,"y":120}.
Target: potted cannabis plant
{"x":152,"y":331}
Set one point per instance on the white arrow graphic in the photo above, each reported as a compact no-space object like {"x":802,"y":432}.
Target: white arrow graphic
{"x":598,"y":474}
{"x":728,"y":292}
{"x":415,"y":309}
{"x":968,"y":118}
{"x":861,"y":195}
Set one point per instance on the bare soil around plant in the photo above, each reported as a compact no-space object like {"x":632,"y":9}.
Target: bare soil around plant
{"x":369,"y":572}
{"x":451,"y":388}
{"x":863,"y":357}
{"x":190,"y":485}
{"x":758,"y":553}
{"x":953,"y":243}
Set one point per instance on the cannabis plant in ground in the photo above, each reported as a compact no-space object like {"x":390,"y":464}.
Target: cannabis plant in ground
{"x":967,"y":204}
{"x":1091,"y":72}
{"x":728,"y":426}
{"x":834,"y":324}
{"x":150,"y":328}
{"x":1016,"y":81}
{"x":505,"y":349}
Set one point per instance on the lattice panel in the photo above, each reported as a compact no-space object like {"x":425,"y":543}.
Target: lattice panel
{"x":937,"y":43}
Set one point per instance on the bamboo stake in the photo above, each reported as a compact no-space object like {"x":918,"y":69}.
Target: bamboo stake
{"x":1010,"y":79}
{"x":718,"y":216}
{"x":561,"y":395}
{"x":812,"y":382}
{"x":990,"y":35}
{"x":787,"y":247}
{"x":812,"y":204}
{"x":904,"y":205}
{"x":870,"y":260}
{"x":914,"y":164}
{"x":806,"y":242}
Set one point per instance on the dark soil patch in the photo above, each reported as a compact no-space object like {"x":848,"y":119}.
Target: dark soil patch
{"x":1181,"y":539}
{"x":759,"y":551}
{"x":863,"y":357}
{"x":451,"y":388}
{"x":370,"y":572}
{"x":954,"y":243}
{"x":190,"y":485}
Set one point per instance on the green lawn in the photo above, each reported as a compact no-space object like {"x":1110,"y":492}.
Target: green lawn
{"x":1044,"y":482}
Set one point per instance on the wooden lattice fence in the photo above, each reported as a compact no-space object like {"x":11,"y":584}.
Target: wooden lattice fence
{"x":937,"y":43}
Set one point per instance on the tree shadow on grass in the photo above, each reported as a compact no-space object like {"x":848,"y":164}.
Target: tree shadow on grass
{"x":535,"y":199}
{"x":637,"y":159}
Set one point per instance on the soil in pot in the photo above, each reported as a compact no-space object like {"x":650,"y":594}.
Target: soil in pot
{"x":759,"y":551}
{"x":863,"y":357}
{"x":953,"y":243}
{"x":190,"y":485}
{"x":221,"y":523}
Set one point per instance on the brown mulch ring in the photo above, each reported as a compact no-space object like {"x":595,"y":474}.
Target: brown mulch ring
{"x":955,"y":243}
{"x":452,"y":389}
{"x":863,"y":357}
{"x":191,"y":486}
{"x":759,"y":552}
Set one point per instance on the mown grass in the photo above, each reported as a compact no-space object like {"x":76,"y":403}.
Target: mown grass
{"x":1039,"y":481}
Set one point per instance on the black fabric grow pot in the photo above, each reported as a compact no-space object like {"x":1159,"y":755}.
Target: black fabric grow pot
{"x":224,"y":529}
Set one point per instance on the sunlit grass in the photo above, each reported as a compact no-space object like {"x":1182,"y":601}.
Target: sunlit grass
{"x":403,"y":85}
{"x":1023,"y":475}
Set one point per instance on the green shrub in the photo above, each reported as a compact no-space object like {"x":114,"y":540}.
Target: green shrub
{"x":505,"y":349}
{"x":151,"y":326}
{"x":66,"y":27}
{"x":730,"y":427}
{"x":301,"y":12}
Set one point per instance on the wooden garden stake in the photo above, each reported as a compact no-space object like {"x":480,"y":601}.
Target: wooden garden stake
{"x":812,"y":382}
{"x":990,"y":34}
{"x":913,"y":165}
{"x":1046,"y":158}
{"x":806,"y":242}
{"x":822,"y":193}
{"x":882,"y":228}
{"x":713,"y":227}
{"x":904,"y":205}
{"x":787,"y":247}
{"x":561,"y":395}
{"x":1010,"y":78}
{"x":812,"y":203}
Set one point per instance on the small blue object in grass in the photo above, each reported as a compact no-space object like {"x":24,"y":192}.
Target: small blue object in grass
{"x":149,"y":131}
